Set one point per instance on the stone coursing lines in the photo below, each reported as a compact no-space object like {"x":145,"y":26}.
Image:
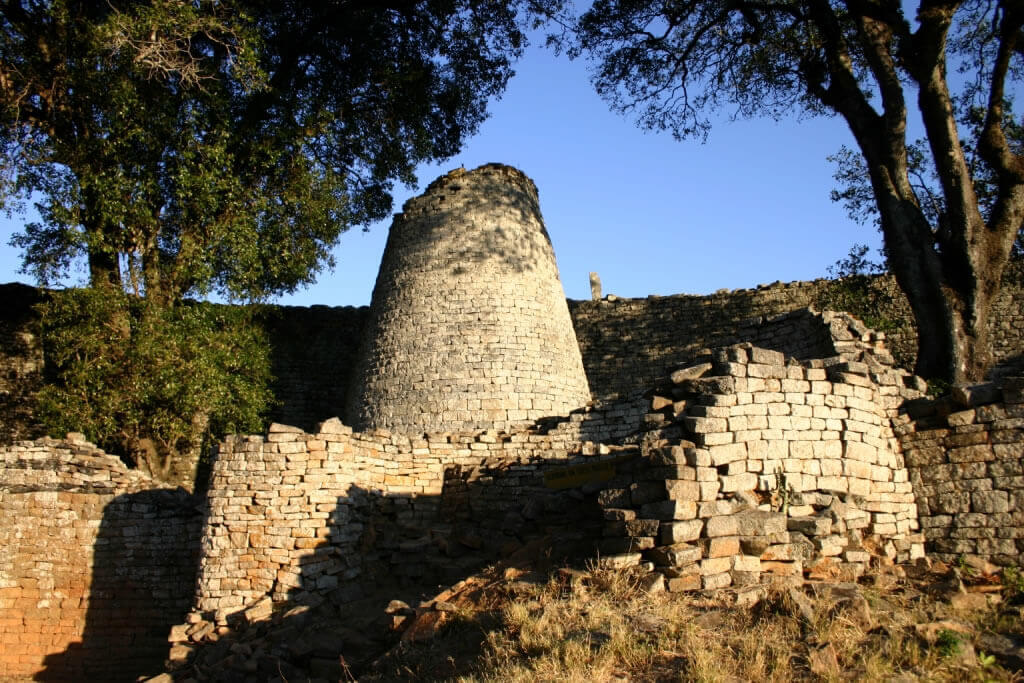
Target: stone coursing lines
{"x":965,"y":456}
{"x":626,"y":344}
{"x":93,"y":561}
{"x":744,"y":428}
{"x":468,"y":327}
{"x":741,"y":467}
{"x":774,"y":458}
{"x":629,"y":343}
{"x":788,"y":469}
{"x":289,"y":513}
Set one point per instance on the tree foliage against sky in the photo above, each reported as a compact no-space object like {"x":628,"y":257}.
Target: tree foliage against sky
{"x":192,"y":147}
{"x":186,"y":148}
{"x":668,"y":63}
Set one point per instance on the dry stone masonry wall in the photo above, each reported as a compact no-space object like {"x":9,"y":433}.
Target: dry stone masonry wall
{"x":965,"y":455}
{"x":95,"y":564}
{"x":741,"y":467}
{"x":786,"y":470}
{"x":773,"y":456}
{"x":294,"y":514}
{"x":748,"y":463}
{"x":626,"y":344}
{"x":469,"y":327}
{"x":313,"y":353}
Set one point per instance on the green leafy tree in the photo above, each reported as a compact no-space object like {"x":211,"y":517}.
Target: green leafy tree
{"x":670,"y":62}
{"x":151,"y":380}
{"x":184,"y":148}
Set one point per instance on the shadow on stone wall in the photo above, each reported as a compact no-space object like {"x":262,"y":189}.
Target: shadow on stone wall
{"x":518,"y":239}
{"x":331,"y":619}
{"x":1012,"y":366}
{"x":313,"y":353}
{"x":142,"y":582}
{"x":629,"y":345}
{"x":416,"y":544}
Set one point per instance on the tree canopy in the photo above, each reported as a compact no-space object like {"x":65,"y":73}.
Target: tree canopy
{"x":186,"y":148}
{"x":669,"y":63}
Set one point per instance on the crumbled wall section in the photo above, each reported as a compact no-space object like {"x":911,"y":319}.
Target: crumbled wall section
{"x":786,"y":469}
{"x":95,"y":565}
{"x":469,"y":327}
{"x":628,"y":344}
{"x":966,"y":460}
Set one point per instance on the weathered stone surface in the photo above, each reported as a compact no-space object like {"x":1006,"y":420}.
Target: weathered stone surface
{"x":445,"y":351}
{"x":310,"y":505}
{"x":679,"y":532}
{"x":692,"y":372}
{"x":669,"y":510}
{"x":675,"y":555}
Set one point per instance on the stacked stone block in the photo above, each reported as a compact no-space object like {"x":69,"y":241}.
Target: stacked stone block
{"x":469,"y":327}
{"x":629,"y":344}
{"x":298,"y":516}
{"x":626,"y":344}
{"x":790,"y":469}
{"x":743,"y":466}
{"x":965,"y":455}
{"x":95,"y":564}
{"x":313,"y":353}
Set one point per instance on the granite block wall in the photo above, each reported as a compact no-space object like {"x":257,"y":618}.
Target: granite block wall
{"x":746,"y":456}
{"x":626,"y":344}
{"x":468,"y":326}
{"x":294,"y":514}
{"x":313,"y":353}
{"x":965,"y":455}
{"x":743,"y":466}
{"x":786,"y":470}
{"x":629,"y":343}
{"x":95,"y":564}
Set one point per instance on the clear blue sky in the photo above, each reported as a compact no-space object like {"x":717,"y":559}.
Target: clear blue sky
{"x":649,"y":214}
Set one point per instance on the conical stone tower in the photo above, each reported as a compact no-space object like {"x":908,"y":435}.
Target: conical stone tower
{"x":469,"y":327}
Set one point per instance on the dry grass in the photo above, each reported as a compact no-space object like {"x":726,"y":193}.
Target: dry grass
{"x":600,"y":626}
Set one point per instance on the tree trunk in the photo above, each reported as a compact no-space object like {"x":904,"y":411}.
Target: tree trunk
{"x":103,"y":269}
{"x":937,"y":337}
{"x":175,"y":467}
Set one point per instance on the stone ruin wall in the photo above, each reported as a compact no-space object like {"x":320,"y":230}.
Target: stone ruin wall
{"x":629,"y":343}
{"x":965,"y":455}
{"x":314,"y":353}
{"x":95,"y":564}
{"x":753,"y":458}
{"x":795,"y":449}
{"x":626,"y":344}
{"x":468,"y":326}
{"x":744,"y":466}
{"x":294,"y":513}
